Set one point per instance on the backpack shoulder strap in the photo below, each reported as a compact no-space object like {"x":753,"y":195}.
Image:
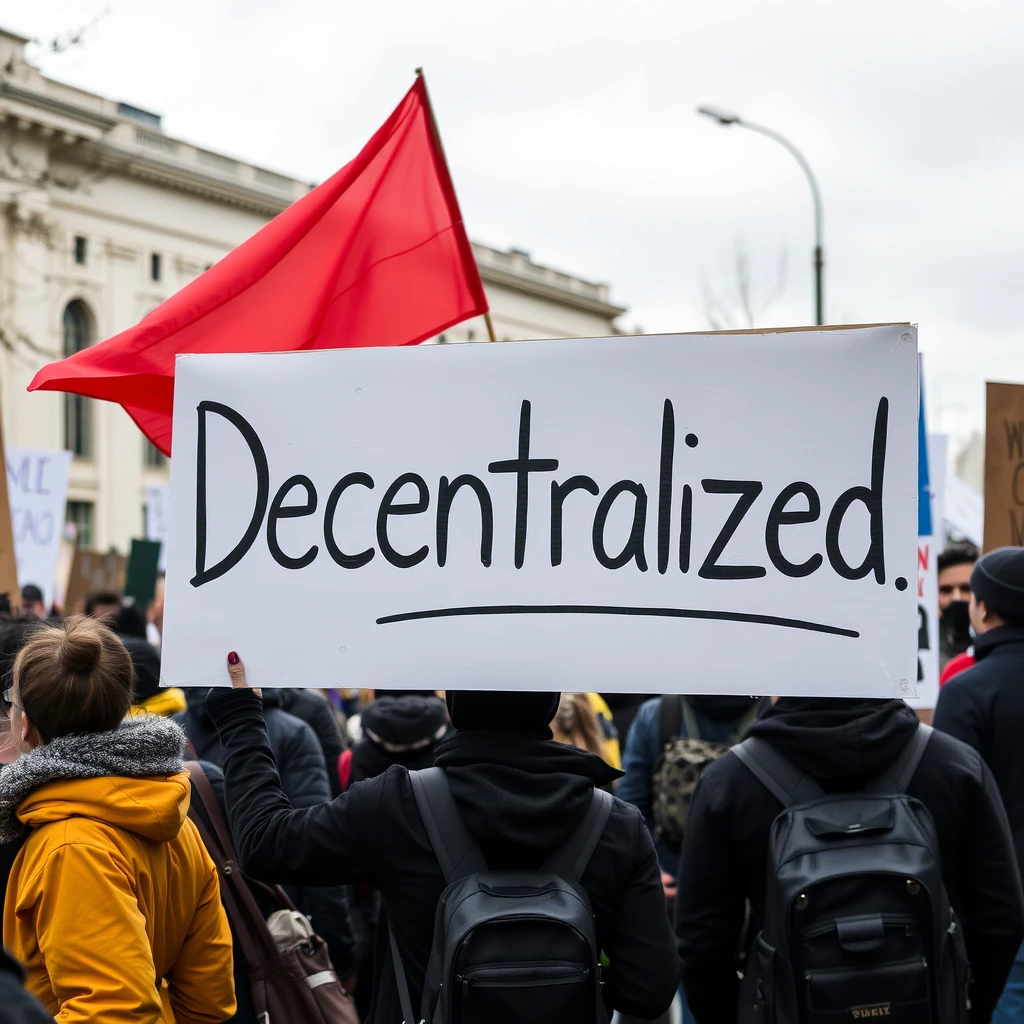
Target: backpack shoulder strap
{"x":455,"y":849}
{"x":897,"y":776}
{"x":670,"y":713}
{"x":690,"y":720}
{"x":572,"y":857}
{"x":776,"y":773}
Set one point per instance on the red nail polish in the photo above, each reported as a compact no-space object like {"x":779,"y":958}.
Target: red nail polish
{"x":232,"y":658}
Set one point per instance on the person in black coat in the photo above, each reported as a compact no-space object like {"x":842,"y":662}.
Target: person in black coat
{"x":521,"y":796}
{"x":984,"y":705}
{"x":319,"y":716}
{"x":304,"y":779}
{"x":843,"y":744}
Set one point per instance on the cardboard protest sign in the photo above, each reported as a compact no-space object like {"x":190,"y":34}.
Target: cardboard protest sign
{"x":10,"y":593}
{"x":714,"y":514}
{"x":1004,"y":465}
{"x":37,"y":487}
{"x":157,"y":498}
{"x":92,"y":573}
{"x":65,"y":563}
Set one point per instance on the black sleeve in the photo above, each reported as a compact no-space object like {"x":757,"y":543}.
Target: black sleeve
{"x":957,"y":713}
{"x":643,"y":970}
{"x":994,"y":907}
{"x":326,"y":844}
{"x":710,"y":905}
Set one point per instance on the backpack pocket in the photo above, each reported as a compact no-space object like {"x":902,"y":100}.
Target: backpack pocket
{"x":511,"y":994}
{"x":899,"y":993}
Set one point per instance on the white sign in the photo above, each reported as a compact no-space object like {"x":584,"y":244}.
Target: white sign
{"x":964,"y":509}
{"x":157,"y":516}
{"x":711,"y":514}
{"x":37,"y":482}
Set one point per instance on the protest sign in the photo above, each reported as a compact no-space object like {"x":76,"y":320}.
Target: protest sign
{"x":929,"y":533}
{"x":92,"y":573}
{"x":938,"y":456}
{"x":728,"y":513}
{"x":10,"y":593}
{"x":65,"y":563}
{"x":37,"y":487}
{"x":964,"y":509}
{"x":141,"y":572}
{"x":156,"y":518}
{"x":1004,"y":465}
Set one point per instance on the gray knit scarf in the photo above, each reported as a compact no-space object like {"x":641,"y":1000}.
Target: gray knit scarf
{"x":140,"y":746}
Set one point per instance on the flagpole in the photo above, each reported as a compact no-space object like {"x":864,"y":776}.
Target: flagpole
{"x":440,"y":145}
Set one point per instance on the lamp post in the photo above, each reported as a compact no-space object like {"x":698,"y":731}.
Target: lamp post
{"x":725,"y":118}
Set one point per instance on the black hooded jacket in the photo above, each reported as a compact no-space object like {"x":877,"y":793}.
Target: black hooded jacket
{"x":304,"y":777}
{"x":520,"y":796}
{"x":984,"y":706}
{"x":843,"y":744}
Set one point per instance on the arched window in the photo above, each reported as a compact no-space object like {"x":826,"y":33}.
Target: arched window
{"x":77,"y":410}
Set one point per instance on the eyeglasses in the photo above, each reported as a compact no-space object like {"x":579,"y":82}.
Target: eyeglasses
{"x":8,"y":696}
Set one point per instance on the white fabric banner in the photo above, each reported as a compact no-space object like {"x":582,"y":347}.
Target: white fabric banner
{"x":37,"y":483}
{"x":705,"y":513}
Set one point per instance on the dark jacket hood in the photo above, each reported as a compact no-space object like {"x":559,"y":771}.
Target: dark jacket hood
{"x":845,"y":741}
{"x":518,"y":790}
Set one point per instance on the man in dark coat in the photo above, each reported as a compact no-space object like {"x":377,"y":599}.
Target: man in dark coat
{"x":521,"y":796}
{"x":304,"y":779}
{"x":984,"y":706}
{"x":843,"y":744}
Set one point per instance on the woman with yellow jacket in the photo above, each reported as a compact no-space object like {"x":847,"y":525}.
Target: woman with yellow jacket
{"x":113,"y":904}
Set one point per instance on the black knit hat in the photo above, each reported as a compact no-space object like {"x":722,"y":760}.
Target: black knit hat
{"x":998,"y":580}
{"x":502,"y":710}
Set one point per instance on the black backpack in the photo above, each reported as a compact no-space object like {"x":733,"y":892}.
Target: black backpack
{"x":857,"y":922}
{"x":509,"y":946}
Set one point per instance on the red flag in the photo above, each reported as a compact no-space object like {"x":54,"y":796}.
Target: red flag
{"x":376,"y":255}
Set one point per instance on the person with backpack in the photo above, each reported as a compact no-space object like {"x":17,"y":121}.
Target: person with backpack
{"x":671,"y":740}
{"x":875,"y":859}
{"x":984,"y":705}
{"x":557,"y":876}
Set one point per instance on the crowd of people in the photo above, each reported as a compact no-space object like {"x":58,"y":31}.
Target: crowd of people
{"x":257,"y":855}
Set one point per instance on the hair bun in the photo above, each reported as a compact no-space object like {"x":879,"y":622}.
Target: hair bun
{"x":80,"y":650}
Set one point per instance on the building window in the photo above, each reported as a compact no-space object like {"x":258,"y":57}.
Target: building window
{"x":80,"y":249}
{"x":77,"y":410}
{"x":152,"y":457}
{"x":80,"y":513}
{"x":154,"y":266}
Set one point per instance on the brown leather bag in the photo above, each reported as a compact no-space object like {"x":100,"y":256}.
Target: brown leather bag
{"x":296,"y":985}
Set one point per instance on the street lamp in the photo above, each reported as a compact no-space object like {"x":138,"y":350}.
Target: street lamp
{"x":725,"y":118}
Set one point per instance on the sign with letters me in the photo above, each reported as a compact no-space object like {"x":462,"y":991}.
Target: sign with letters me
{"x":731,"y":513}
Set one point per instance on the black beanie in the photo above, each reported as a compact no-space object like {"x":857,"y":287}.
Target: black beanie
{"x":998,"y":580}
{"x":502,"y":710}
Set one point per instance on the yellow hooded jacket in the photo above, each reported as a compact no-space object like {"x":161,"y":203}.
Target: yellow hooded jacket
{"x":113,"y":904}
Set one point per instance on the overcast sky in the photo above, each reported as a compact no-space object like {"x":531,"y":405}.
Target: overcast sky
{"x":571,"y":132}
